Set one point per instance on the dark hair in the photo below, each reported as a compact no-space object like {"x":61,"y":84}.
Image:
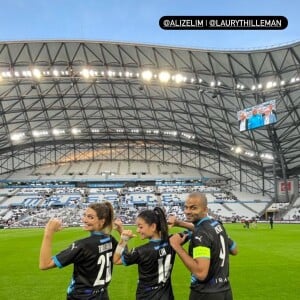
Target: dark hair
{"x":202,"y":198}
{"x":158,"y":217}
{"x":104,"y":211}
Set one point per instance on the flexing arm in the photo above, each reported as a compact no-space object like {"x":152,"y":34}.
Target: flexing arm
{"x":46,"y":261}
{"x":198,"y":266}
{"x":118,"y":225}
{"x":125,"y":237}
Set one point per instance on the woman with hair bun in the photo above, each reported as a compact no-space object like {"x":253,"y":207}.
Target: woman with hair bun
{"x":155,"y":259}
{"x":92,"y":257}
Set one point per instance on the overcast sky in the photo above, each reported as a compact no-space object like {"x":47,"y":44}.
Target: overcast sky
{"x":137,"y":21}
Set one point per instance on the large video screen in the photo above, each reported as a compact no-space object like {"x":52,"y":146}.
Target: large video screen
{"x":257,"y":116}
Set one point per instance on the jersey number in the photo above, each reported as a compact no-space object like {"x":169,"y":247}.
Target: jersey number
{"x":105,"y":265}
{"x":222,"y":251}
{"x":164,"y":268}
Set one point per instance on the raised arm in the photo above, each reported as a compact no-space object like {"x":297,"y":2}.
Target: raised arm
{"x":174,"y":222}
{"x":46,"y":261}
{"x":125,"y":237}
{"x":118,"y":225}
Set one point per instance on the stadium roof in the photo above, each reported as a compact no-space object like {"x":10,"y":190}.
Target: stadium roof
{"x":86,"y":92}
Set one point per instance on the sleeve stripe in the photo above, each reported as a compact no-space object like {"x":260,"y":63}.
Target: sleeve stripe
{"x":123,"y":260}
{"x":232,"y":246}
{"x":57,"y":262}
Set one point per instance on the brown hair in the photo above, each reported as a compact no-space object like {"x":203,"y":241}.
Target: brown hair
{"x":104,"y":211}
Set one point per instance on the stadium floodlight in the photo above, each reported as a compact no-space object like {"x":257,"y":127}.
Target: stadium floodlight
{"x":268,"y":156}
{"x":26,"y":73}
{"x":269,"y":84}
{"x":85,"y":73}
{"x":178,"y":78}
{"x":282,"y":82}
{"x":56,"y":131}
{"x":238,"y":150}
{"x":249,"y":153}
{"x":36,"y":73}
{"x":17,"y":136}
{"x":173,"y":133}
{"x":75,"y":131}
{"x":164,"y":76}
{"x":36,"y":133}
{"x":188,"y":135}
{"x":147,"y":75}
{"x":111,"y":73}
{"x":55,"y":73}
{"x":95,"y":130}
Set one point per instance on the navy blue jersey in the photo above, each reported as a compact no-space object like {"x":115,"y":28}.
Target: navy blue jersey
{"x":155,"y":263}
{"x":210,"y":241}
{"x":93,"y":263}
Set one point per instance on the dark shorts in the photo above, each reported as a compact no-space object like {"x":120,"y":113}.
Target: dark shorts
{"x":226,"y":295}
{"x":96,"y":295}
{"x":161,"y":292}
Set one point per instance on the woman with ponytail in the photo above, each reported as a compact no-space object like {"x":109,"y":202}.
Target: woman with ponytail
{"x":92,"y":257}
{"x":155,"y":259}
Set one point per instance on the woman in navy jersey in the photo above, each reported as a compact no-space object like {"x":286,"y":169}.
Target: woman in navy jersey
{"x":92,"y":257}
{"x":155,"y":259}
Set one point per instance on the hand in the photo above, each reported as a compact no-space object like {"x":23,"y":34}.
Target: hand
{"x":176,"y":240}
{"x":172,"y":221}
{"x":53,"y":225}
{"x":127,"y":235}
{"x":118,"y":225}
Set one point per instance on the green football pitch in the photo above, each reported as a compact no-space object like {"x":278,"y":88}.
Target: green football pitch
{"x":267,"y":267}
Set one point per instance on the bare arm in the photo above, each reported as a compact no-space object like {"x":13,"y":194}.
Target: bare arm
{"x":125,"y":237}
{"x":46,"y":261}
{"x":118,"y":225}
{"x":173,"y":221}
{"x":198,"y":266}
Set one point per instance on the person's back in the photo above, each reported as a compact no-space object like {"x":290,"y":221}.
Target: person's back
{"x":86,"y":254}
{"x":155,"y":263}
{"x":212,"y":234}
{"x":155,"y":259}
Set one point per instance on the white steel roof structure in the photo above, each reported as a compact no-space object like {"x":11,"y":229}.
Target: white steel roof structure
{"x":83,"y":100}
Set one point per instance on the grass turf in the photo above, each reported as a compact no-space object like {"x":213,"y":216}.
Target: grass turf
{"x":267,"y":266}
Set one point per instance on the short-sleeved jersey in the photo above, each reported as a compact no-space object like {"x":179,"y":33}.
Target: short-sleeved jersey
{"x":155,"y":262}
{"x":210,"y":241}
{"x":93,"y":263}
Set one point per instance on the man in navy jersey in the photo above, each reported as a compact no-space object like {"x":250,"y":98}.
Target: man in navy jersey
{"x":208,"y":254}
